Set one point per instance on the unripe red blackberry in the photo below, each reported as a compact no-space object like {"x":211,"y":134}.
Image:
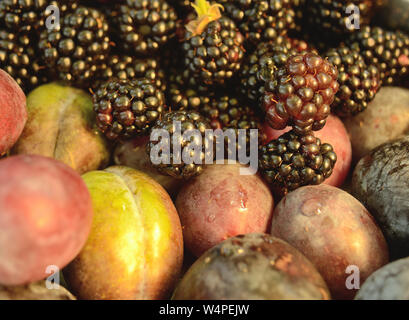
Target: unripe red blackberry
{"x":128,"y":108}
{"x":260,"y":65}
{"x":293,"y":161}
{"x":300,"y":93}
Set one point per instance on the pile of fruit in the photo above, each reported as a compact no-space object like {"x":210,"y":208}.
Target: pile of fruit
{"x":85,"y":88}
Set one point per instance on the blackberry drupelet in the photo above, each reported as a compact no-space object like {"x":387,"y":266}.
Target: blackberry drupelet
{"x":358,"y":83}
{"x":293,"y":161}
{"x":300,"y":93}
{"x":125,"y":67}
{"x":77,"y":47}
{"x":19,"y":58}
{"x":332,"y":15}
{"x":260,"y":66}
{"x":388,"y":50}
{"x":262,"y":20}
{"x":212,"y":46}
{"x":175,"y":165}
{"x":145,"y":25}
{"x":128,"y":108}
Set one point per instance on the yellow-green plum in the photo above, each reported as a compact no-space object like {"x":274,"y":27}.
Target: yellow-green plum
{"x":61,"y":125}
{"x":135,"y":249}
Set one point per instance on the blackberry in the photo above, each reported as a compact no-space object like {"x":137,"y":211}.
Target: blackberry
{"x":227,"y":112}
{"x":19,"y":58}
{"x":19,"y":24}
{"x":259,"y":66}
{"x":212,"y":46}
{"x":125,"y":67}
{"x":21,"y":15}
{"x":332,"y":15}
{"x":183,"y":97}
{"x":127,"y":108}
{"x":387,"y":50}
{"x":300,"y":93}
{"x":293,"y":161}
{"x":25,"y":16}
{"x":358,"y":83}
{"x":177,"y":163}
{"x":184,"y":92}
{"x":262,"y":20}
{"x":77,"y":47}
{"x":145,"y":25}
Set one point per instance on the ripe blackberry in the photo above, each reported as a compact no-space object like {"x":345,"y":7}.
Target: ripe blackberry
{"x":145,"y":25}
{"x":197,"y":148}
{"x":181,"y":96}
{"x":125,"y":67}
{"x":228,"y":112}
{"x":19,"y":58}
{"x":212,"y":45}
{"x":332,"y":15}
{"x":358,"y":83}
{"x":77,"y":47}
{"x":127,"y":108}
{"x":262,"y":20}
{"x":259,"y":66}
{"x":300,"y":93}
{"x":293,"y":161}
{"x":388,"y":50}
{"x":21,"y":15}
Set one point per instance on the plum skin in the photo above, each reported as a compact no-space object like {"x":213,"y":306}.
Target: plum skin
{"x":13,"y":112}
{"x":333,"y":230}
{"x":252,"y":267}
{"x":45,"y":217}
{"x":221,"y":203}
{"x":135,"y":248}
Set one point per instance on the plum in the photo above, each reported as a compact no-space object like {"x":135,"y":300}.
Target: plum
{"x":135,"y":249}
{"x":45,"y":217}
{"x":34,"y":291}
{"x":13,"y":112}
{"x":390,"y":282}
{"x":385,"y":119}
{"x":61,"y":125}
{"x":222,"y":203}
{"x":253,"y":266}
{"x":335,"y":134}
{"x":132,"y":153}
{"x":381,"y":182}
{"x":334,"y":231}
